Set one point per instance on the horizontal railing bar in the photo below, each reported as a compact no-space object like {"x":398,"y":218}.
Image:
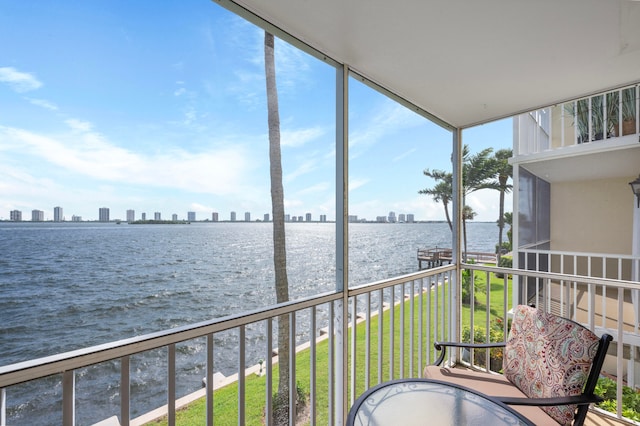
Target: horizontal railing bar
{"x":580,"y":254}
{"x":377,"y":285}
{"x":631,"y":285}
{"x":20,"y":372}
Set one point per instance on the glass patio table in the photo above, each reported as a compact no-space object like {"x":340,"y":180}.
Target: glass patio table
{"x":429,"y":402}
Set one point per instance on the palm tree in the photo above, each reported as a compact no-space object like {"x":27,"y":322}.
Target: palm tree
{"x":279,"y":247}
{"x":508,"y":219}
{"x":441,"y":192}
{"x":478,"y":172}
{"x":504,"y":172}
{"x":467,"y":214}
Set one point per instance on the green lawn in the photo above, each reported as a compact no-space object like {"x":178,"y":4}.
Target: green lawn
{"x":226,"y":399}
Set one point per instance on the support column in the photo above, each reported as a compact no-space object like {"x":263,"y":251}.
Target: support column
{"x":342,"y":242}
{"x":458,"y":197}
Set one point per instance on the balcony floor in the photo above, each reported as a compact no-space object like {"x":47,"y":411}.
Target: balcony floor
{"x":595,"y":419}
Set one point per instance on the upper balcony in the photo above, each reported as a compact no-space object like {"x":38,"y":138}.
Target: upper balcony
{"x":591,"y":138}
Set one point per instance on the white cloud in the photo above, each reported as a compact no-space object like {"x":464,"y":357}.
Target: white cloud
{"x":43,"y":103}
{"x":296,"y":138}
{"x":389,"y":118}
{"x":319,"y":187}
{"x":19,"y":81}
{"x":290,"y":204}
{"x":78,"y":125}
{"x":180,"y":91}
{"x":90,"y":155}
{"x":196,"y":207}
{"x":306,"y":167}
{"x":357,"y":183}
{"x":404,"y":155}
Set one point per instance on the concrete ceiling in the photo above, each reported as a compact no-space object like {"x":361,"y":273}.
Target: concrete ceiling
{"x":469,"y":62}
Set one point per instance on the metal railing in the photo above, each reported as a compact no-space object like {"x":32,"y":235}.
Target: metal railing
{"x":604,"y":305}
{"x":389,"y":332}
{"x":601,"y":117}
{"x":383,"y":302}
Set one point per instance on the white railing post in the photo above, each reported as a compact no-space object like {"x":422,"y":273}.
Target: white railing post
{"x":171,"y":384}
{"x":352,"y":384}
{"x":69,"y":398}
{"x":367,"y":358}
{"x":242,"y":366}
{"x":125,"y":390}
{"x":332,"y":366}
{"x":209,"y":383}
{"x":312,"y":367}
{"x":3,"y":407}
{"x":380,"y":334}
{"x":392,"y":315}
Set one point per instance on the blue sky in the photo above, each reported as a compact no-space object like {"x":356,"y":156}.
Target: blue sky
{"x":161,"y":107}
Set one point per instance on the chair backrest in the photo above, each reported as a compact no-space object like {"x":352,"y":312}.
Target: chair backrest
{"x":549,"y":356}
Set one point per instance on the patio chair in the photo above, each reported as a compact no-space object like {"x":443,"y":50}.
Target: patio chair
{"x":550,"y":368}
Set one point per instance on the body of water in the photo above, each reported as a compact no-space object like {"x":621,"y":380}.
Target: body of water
{"x":65,"y":286}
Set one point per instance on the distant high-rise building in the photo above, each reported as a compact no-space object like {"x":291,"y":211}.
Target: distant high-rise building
{"x":392,"y":217}
{"x":144,"y":216}
{"x":157,"y":216}
{"x":323,"y":218}
{"x":266,"y":217}
{"x":353,"y":218}
{"x":247,"y":216}
{"x":299,"y":218}
{"x":15,"y":216}
{"x":131,"y":215}
{"x":174,"y":217}
{"x":37,"y":215}
{"x":57,"y":214}
{"x":214,"y":216}
{"x":402,"y":218}
{"x":287,"y":218}
{"x":410,"y":218}
{"x":294,"y":218}
{"x":75,"y":218}
{"x":381,"y":219}
{"x":233,"y":216}
{"x":308,"y":217}
{"x":191,"y":216}
{"x":103,"y":214}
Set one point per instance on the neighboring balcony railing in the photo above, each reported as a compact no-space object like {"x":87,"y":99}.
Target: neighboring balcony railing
{"x":388,"y":333}
{"x":602,"y":117}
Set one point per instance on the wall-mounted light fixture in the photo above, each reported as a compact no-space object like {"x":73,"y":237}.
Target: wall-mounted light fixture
{"x":635,"y":187}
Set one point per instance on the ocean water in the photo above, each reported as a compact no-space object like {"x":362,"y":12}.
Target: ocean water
{"x":65,"y":286}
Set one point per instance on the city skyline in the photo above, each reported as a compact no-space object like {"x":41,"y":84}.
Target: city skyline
{"x":105,"y":215}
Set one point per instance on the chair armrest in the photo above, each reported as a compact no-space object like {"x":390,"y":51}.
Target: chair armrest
{"x":441,"y":346}
{"x":560,"y":400}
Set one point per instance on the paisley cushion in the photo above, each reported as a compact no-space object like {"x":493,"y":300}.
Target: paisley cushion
{"x":548,"y":356}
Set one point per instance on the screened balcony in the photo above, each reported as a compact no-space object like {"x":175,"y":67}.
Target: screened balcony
{"x":459,"y":65}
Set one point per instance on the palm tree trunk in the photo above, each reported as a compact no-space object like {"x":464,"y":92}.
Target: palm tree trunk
{"x":446,"y":213}
{"x":501,"y":228}
{"x":279,"y":246}
{"x":464,"y":235}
